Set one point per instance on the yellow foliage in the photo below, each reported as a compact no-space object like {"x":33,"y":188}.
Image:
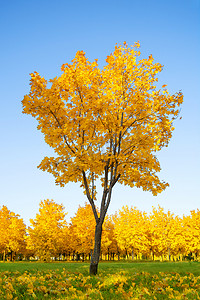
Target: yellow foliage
{"x":12,"y":232}
{"x":46,"y":233}
{"x":111,"y":118}
{"x":130,"y":229}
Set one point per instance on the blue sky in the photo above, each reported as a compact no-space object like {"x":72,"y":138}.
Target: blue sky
{"x":41,"y":36}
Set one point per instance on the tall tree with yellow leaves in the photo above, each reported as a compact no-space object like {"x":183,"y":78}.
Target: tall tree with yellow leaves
{"x":109,"y":243}
{"x":104,"y":124}
{"x":83,"y":230}
{"x":130,"y":231}
{"x":191,"y":227}
{"x":12,"y":233}
{"x":161,"y":232}
{"x":45,"y":235}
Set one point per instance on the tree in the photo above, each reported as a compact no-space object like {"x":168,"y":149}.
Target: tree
{"x":130,"y":231}
{"x":177,"y":236}
{"x":104,"y":124}
{"x":45,"y":235}
{"x":109,"y":244}
{"x":83,"y":231}
{"x":191,"y":231}
{"x":161,"y":232}
{"x":12,"y":233}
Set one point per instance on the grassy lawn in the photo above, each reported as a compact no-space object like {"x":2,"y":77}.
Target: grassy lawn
{"x":115,"y":280}
{"x":109,"y":267}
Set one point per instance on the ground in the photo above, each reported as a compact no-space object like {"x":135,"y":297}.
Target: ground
{"x":115,"y":280}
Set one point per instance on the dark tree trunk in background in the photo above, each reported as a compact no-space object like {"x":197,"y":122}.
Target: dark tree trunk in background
{"x":132,"y":254}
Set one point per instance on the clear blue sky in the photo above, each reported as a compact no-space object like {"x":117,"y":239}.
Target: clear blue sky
{"x":41,"y":35}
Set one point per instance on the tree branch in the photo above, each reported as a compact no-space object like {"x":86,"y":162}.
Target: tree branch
{"x":105,"y":191}
{"x":63,"y":134}
{"x":89,"y":197}
{"x":102,"y":216}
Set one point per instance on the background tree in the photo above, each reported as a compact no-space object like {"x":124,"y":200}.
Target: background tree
{"x":130,"y":231}
{"x":83,"y":228}
{"x":12,"y":233}
{"x":109,"y":245}
{"x":45,"y":235}
{"x":104,"y":124}
{"x":67,"y":241}
{"x":177,"y":237}
{"x":161,"y":232}
{"x":191,"y":232}
{"x":4,"y":222}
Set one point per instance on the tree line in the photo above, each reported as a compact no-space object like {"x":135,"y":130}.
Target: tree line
{"x":127,"y":234}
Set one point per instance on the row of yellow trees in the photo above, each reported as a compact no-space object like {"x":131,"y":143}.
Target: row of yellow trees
{"x":129,"y":233}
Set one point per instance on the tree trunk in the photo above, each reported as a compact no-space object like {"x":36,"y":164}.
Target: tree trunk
{"x":97,"y":247}
{"x":11,"y":255}
{"x":169,"y":254}
{"x":132,"y":254}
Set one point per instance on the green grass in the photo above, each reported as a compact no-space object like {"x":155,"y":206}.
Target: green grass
{"x":109,"y":267}
{"x":115,"y":280}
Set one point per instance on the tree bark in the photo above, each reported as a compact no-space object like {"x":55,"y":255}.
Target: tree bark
{"x":96,"y":252}
{"x":169,"y":254}
{"x":132,"y":254}
{"x":106,"y":198}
